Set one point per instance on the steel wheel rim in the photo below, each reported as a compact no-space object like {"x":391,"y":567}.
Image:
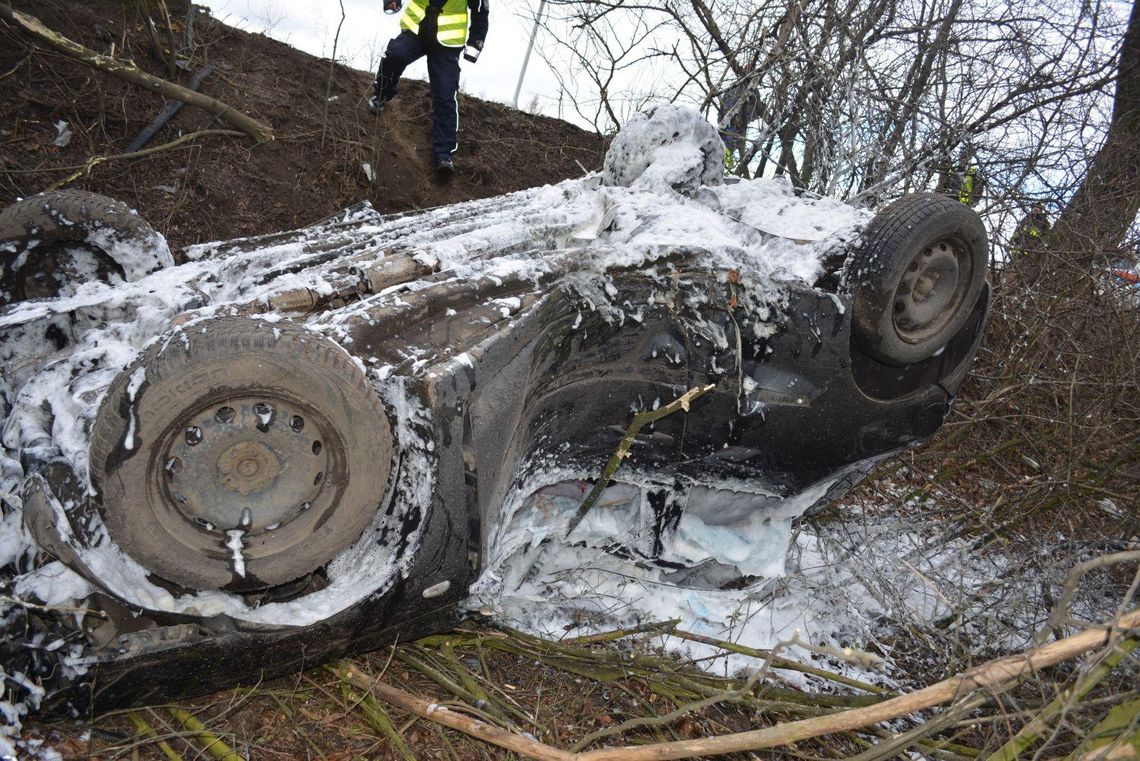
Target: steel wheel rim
{"x":930,"y":291}
{"x":259,"y":463}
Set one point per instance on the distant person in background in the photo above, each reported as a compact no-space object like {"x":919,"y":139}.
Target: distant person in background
{"x":1027,"y":245}
{"x":439,"y":30}
{"x":738,"y":108}
{"x":964,"y":180}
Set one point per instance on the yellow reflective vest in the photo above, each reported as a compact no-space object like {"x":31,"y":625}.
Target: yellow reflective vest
{"x":966,"y":194}
{"x":452,"y":30}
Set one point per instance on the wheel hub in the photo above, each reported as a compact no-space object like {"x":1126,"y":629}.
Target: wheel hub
{"x":248,"y":466}
{"x":250,"y":463}
{"x":928,"y":292}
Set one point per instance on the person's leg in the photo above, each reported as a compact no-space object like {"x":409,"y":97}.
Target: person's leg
{"x":403,"y":50}
{"x":443,"y":72}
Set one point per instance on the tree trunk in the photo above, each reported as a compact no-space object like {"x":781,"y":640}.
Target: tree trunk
{"x":1097,"y":219}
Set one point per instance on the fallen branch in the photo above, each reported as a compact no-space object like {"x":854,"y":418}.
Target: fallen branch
{"x":168,"y":112}
{"x":211,"y":743}
{"x":977,"y":684}
{"x":130,"y":73}
{"x":95,"y":161}
{"x":448,"y":718}
{"x":640,"y":420}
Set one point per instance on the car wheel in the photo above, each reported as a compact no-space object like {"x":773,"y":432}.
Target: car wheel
{"x":52,"y":242}
{"x":916,"y":276}
{"x":239,"y":454}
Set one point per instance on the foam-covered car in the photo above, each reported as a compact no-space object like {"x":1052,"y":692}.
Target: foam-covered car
{"x":299,"y":445}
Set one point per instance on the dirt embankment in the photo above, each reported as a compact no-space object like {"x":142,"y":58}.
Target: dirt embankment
{"x":222,"y":187}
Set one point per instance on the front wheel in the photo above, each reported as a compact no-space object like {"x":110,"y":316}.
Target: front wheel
{"x":916,"y":277}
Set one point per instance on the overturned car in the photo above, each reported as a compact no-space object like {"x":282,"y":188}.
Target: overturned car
{"x":301,"y":445}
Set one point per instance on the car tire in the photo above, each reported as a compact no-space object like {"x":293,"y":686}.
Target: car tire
{"x":52,"y":242}
{"x":239,"y":425}
{"x":915,"y":278}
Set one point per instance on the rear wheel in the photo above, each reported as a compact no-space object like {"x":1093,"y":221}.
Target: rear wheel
{"x":916,"y":277}
{"x":240,"y":454}
{"x":53,"y":242}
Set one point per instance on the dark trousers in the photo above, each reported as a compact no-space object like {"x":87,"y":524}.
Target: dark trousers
{"x":443,"y":73}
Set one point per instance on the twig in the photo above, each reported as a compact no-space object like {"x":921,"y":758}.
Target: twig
{"x":145,"y":729}
{"x":663,"y":627}
{"x":892,"y":747}
{"x":374,"y":713}
{"x":450,"y":685}
{"x":484,"y":700}
{"x":1032,"y":731}
{"x":332,"y":76}
{"x":211,"y":743}
{"x":1117,"y":736}
{"x":1057,"y":614}
{"x":442,"y":715}
{"x":610,"y":665}
{"x":666,"y":719}
{"x":131,"y":73}
{"x":295,"y":726}
{"x":13,"y":70}
{"x":778,"y":662}
{"x":640,"y":420}
{"x":95,"y":161}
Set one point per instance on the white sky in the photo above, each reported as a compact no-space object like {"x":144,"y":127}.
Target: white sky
{"x":311,"y":27}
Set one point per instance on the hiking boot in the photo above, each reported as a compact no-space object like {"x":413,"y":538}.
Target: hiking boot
{"x":444,"y":166}
{"x":376,"y":106}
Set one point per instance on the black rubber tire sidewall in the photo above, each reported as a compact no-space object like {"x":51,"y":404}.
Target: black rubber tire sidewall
{"x":890,"y":241}
{"x":80,"y":217}
{"x":201,"y":362}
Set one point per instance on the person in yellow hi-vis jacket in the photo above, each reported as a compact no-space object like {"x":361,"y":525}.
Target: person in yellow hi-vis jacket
{"x":972,"y":184}
{"x":439,"y":30}
{"x":964,"y":180}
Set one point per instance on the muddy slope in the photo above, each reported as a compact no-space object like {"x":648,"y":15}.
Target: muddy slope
{"x":220,"y":187}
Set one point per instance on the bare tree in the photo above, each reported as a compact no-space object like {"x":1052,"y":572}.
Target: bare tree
{"x":861,"y":99}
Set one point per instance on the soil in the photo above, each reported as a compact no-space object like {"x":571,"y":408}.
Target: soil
{"x":219,"y":187}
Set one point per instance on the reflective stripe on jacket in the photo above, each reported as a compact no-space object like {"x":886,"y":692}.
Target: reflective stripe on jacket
{"x":452,"y":31}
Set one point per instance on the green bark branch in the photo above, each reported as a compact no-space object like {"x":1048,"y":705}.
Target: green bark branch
{"x":640,"y":420}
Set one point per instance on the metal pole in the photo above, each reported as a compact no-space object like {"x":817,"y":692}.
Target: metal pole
{"x":529,"y":48}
